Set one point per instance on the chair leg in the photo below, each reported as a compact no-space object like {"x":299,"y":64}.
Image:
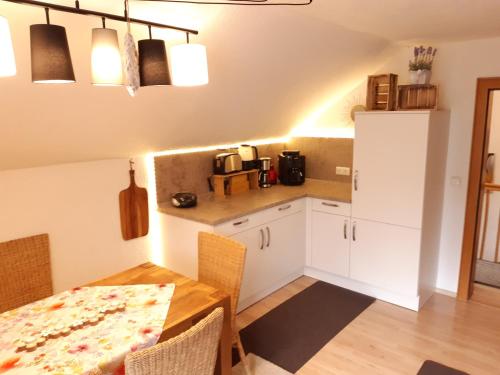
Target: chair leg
{"x":242,"y":354}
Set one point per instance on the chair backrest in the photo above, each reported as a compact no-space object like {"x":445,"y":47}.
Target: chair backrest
{"x":25,"y":272}
{"x":221,"y":262}
{"x":192,"y":352}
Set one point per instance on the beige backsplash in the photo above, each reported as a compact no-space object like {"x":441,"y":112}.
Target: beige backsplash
{"x":323,"y":155}
{"x":190,"y":172}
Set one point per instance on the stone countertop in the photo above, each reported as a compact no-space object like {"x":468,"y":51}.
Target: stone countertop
{"x":214,"y":210}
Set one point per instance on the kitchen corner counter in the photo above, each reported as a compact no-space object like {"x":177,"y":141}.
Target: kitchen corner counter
{"x":213,"y":210}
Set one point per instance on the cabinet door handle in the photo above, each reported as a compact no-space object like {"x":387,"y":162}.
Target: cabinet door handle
{"x":268,"y":236}
{"x":345,"y":229}
{"x":240,"y":222}
{"x":356,"y":180}
{"x":329,"y":204}
{"x":262,"y":239}
{"x":285,"y":207}
{"x":354,"y":231}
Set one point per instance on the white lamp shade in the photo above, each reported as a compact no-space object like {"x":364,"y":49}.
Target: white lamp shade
{"x":7,"y":59}
{"x":189,"y":65}
{"x":106,"y":58}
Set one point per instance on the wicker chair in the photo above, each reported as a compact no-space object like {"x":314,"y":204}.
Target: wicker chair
{"x":25,"y":272}
{"x":221,"y":262}
{"x":192,"y":352}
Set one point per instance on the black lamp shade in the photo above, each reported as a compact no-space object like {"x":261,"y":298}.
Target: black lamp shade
{"x":50,"y":56}
{"x":153,"y":64}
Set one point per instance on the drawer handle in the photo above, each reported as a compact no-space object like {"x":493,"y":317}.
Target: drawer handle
{"x":329,"y":204}
{"x":240,"y":222}
{"x":262,"y":239}
{"x":268,"y":236}
{"x":284,"y":208}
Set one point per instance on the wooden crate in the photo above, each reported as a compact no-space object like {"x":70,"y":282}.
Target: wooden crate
{"x":235,"y":183}
{"x":417,"y":97}
{"x":382,"y":92}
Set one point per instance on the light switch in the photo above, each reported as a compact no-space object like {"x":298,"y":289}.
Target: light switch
{"x":456,"y":181}
{"x":343,"y":171}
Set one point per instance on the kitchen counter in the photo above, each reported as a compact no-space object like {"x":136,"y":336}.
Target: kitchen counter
{"x":214,"y":210}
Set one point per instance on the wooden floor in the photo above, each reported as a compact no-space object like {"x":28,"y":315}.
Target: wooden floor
{"x":387,"y":340}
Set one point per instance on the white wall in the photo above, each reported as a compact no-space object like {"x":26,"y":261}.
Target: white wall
{"x":77,"y":205}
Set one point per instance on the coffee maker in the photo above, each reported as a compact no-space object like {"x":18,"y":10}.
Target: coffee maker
{"x":265,"y":166}
{"x":292,"y":168}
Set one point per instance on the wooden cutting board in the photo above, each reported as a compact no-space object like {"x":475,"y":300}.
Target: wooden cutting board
{"x":134,"y":211}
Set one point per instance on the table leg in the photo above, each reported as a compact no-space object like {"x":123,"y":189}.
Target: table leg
{"x":225,"y":357}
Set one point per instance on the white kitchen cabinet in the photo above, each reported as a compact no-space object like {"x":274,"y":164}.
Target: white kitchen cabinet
{"x":256,"y":276}
{"x":275,"y":239}
{"x":397,"y":197}
{"x":385,"y":256}
{"x":286,"y":241}
{"x":260,"y":217}
{"x":330,"y":237}
{"x":390,"y":156}
{"x":275,"y":252}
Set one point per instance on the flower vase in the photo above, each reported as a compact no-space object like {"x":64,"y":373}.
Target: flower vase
{"x":420,"y":77}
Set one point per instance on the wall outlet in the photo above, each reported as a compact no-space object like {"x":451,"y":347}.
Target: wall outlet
{"x":343,"y":171}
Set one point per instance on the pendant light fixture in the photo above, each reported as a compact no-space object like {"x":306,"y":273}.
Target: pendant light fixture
{"x":153,"y":63}
{"x":189,"y":64}
{"x":7,"y":59}
{"x":106,"y":59}
{"x":50,"y":56}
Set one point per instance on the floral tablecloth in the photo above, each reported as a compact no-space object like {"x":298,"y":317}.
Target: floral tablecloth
{"x":84,"y":330}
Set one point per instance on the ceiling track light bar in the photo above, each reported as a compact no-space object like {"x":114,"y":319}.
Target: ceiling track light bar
{"x":88,"y":12}
{"x":237,"y":2}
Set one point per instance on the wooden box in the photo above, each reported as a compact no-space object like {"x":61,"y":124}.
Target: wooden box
{"x":417,"y":97}
{"x":382,"y":92}
{"x":235,"y":183}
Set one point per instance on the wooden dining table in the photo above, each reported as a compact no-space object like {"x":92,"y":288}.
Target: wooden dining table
{"x":191,"y":302}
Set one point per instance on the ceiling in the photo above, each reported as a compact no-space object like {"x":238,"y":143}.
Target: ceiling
{"x":270,"y":70}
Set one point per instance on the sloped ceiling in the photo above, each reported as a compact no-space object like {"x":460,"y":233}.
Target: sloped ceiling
{"x":271,"y":69}
{"x":407,"y":20}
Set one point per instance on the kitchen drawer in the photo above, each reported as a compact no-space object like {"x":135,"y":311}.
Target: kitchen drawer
{"x":331,"y":207}
{"x":243,"y":223}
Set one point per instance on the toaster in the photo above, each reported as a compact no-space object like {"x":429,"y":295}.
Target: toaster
{"x":227,"y":162}
{"x":249,"y":156}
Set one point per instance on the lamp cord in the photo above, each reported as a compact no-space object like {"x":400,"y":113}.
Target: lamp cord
{"x":47,"y":16}
{"x":127,"y":15}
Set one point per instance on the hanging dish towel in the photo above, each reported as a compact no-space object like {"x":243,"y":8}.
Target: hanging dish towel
{"x":130,"y":59}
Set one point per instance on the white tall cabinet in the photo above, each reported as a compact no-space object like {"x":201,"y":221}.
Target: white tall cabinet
{"x":395,"y":220}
